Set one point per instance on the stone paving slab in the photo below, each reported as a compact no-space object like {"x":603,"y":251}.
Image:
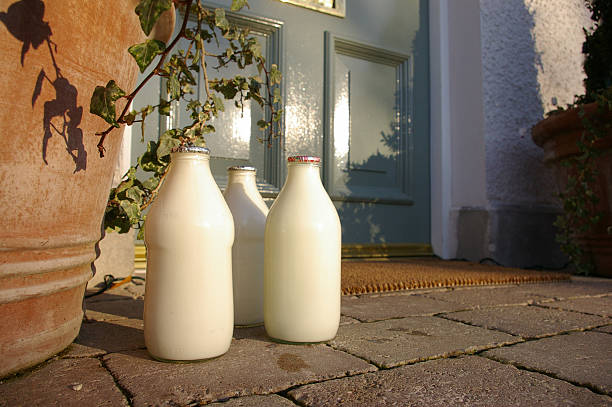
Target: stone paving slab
{"x":490,"y":296}
{"x":344,"y":320}
{"x":577,"y":287}
{"x":580,"y":357}
{"x":528,"y":321}
{"x":64,"y":382}
{"x":76,"y":350}
{"x":591,"y":305}
{"x":605,"y":329}
{"x":251,"y":366}
{"x":472,"y":380}
{"x":257,"y":401}
{"x":112,"y":310}
{"x":110,"y":336}
{"x":400,"y":341}
{"x":379,"y":307}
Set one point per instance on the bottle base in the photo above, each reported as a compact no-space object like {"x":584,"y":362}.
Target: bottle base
{"x":185,"y":361}
{"x":285,"y":342}
{"x":256,"y":324}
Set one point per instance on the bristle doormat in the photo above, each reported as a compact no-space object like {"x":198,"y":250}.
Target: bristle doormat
{"x":360,"y":277}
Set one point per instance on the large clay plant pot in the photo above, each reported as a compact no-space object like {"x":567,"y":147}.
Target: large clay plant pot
{"x":53,"y":184}
{"x":559,"y":136}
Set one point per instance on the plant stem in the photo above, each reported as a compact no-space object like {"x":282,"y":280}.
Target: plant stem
{"x":154,"y":72}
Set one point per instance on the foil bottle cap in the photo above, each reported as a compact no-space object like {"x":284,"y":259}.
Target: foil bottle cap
{"x":304,"y":159}
{"x":242,"y":168}
{"x":191,"y":149}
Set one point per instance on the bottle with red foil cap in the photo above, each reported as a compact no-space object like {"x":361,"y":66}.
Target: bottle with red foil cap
{"x":189,"y":232}
{"x":249,"y":211}
{"x":302,"y":258}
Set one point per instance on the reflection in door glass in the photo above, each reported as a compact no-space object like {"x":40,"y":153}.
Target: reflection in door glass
{"x":235,"y":140}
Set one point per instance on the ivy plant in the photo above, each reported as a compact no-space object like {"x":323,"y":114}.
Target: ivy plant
{"x":180,"y":67}
{"x":580,"y":197}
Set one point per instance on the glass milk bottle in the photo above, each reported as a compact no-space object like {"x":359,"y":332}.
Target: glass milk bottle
{"x":249,"y":211}
{"x":302,"y":258}
{"x":189,"y":231}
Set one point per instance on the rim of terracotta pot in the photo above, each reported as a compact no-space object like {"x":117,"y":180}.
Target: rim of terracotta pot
{"x":558,"y":134}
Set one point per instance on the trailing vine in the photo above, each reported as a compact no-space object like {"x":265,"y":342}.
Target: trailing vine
{"x":580,"y":198}
{"x":179,"y":68}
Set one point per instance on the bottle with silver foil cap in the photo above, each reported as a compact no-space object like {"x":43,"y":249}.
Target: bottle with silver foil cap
{"x":189,"y":231}
{"x":249,"y":211}
{"x":302,"y":258}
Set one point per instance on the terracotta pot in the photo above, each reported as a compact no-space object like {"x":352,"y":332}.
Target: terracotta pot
{"x":54,"y":185}
{"x":558,"y":135}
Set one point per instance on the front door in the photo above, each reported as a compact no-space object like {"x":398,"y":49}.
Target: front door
{"x":356,"y":93}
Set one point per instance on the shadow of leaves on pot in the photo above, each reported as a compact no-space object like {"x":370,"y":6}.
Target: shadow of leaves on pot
{"x":61,"y":115}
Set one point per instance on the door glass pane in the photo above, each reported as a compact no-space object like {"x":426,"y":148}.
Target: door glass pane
{"x":236,"y":137}
{"x":365,"y":124}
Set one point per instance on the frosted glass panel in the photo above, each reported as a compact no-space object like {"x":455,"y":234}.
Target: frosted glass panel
{"x":235,"y":141}
{"x":365,"y":123}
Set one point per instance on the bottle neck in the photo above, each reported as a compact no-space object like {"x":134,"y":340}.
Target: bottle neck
{"x":246,"y":178}
{"x":184,"y":161}
{"x":303,"y":172}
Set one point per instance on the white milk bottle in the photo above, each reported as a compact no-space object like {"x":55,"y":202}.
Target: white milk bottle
{"x":249,"y":211}
{"x":302,"y":258}
{"x":189,"y":231}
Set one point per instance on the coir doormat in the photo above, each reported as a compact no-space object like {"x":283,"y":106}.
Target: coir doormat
{"x":360,"y":277}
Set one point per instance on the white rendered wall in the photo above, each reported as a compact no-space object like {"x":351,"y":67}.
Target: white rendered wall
{"x":496,"y":67}
{"x":531,"y":56}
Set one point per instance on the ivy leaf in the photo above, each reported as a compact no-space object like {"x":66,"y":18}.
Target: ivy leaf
{"x":275,"y":75}
{"x":256,"y":50}
{"x":132,"y":210}
{"x":146,"y":52}
{"x":218,"y":103}
{"x":164,"y":107}
{"x":115,"y":220}
{"x":141,"y":232}
{"x":148,"y":161}
{"x":149,"y":11}
{"x":237,"y":5}
{"x":166,"y":143}
{"x":262,"y":124}
{"x":129,"y":118}
{"x":103,"y":102}
{"x":174,"y":87}
{"x":151,"y":183}
{"x":220,"y":20}
{"x":135,"y":194}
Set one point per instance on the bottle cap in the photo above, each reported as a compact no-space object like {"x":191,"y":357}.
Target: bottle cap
{"x":304,"y":159}
{"x":191,"y":149}
{"x":242,"y":168}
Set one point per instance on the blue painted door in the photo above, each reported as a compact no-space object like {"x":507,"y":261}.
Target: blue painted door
{"x":355,"y":92}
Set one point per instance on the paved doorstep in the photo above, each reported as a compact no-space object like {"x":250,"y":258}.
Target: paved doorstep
{"x":114,"y":336}
{"x":577,"y":287}
{"x":400,"y":341}
{"x":580,"y":357}
{"x":528,"y":321}
{"x":489,"y":296}
{"x":112,"y":310}
{"x":64,"y":382}
{"x":257,"y":401}
{"x":591,"y":305}
{"x":468,"y":380}
{"x":252,"y":366}
{"x":606,"y":329}
{"x":379,"y":307}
